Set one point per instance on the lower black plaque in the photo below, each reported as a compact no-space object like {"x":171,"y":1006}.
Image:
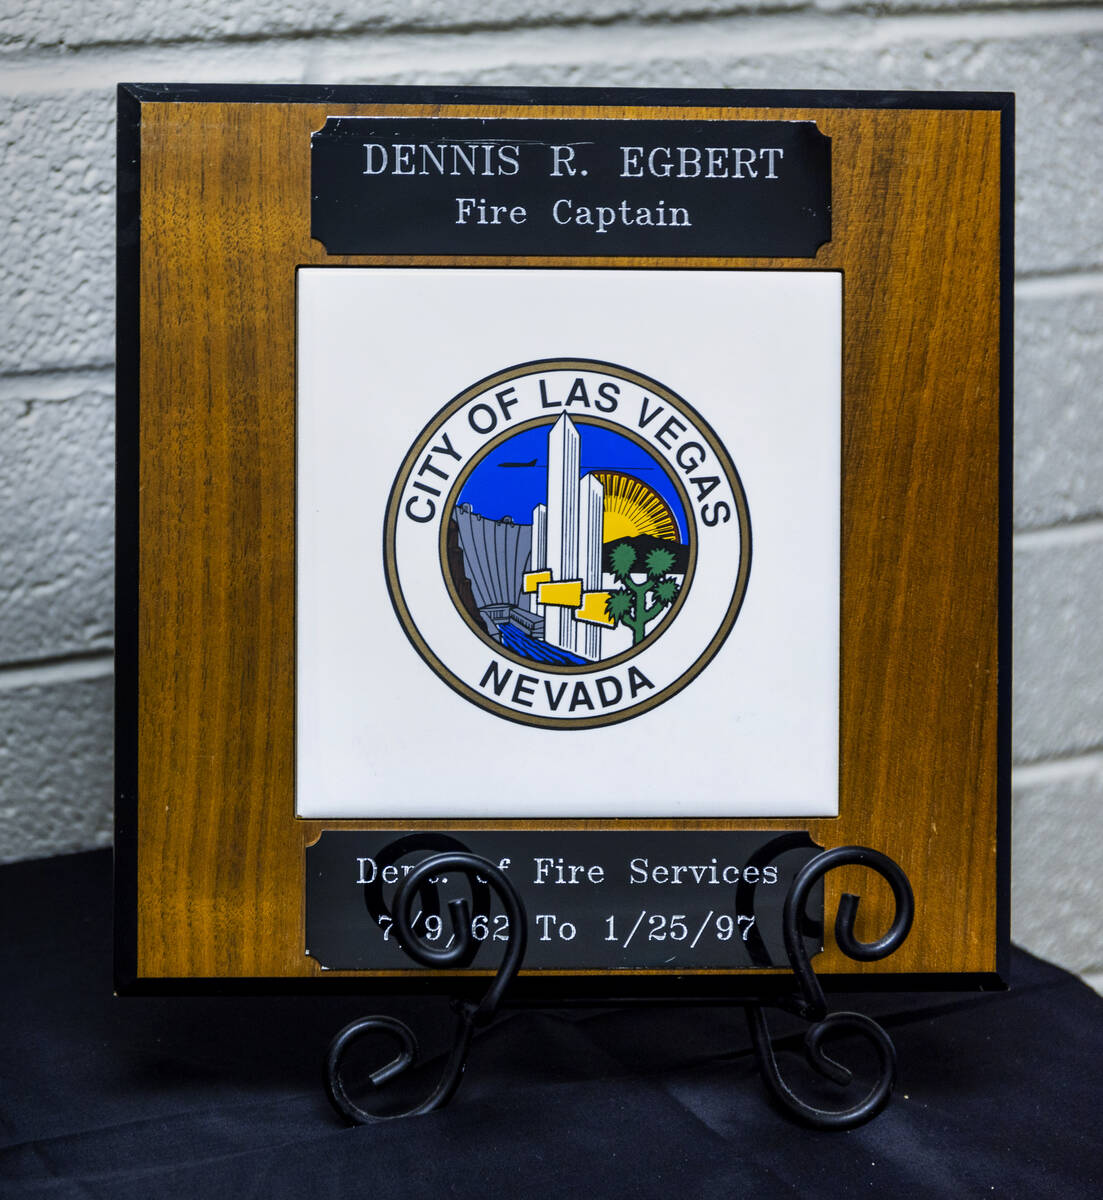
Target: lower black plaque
{"x":604,"y":900}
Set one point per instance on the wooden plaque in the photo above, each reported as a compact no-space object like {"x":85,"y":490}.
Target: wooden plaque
{"x":615,"y":484}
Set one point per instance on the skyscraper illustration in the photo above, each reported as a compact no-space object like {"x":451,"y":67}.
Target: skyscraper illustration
{"x":573,"y":521}
{"x":564,"y":447}
{"x":591,"y":516}
{"x":539,"y":559}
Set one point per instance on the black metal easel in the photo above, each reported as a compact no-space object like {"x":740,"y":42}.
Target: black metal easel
{"x":809,"y":1002}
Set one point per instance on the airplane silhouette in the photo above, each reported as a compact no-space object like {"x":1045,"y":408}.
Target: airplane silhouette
{"x":533,"y":462}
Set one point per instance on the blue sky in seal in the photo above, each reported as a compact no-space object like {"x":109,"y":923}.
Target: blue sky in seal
{"x":496,"y":489}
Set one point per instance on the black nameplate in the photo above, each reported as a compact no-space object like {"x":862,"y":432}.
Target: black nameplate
{"x":594,"y":900}
{"x":466,"y":185}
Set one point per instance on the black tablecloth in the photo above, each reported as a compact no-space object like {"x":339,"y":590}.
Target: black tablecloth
{"x":999,"y":1094}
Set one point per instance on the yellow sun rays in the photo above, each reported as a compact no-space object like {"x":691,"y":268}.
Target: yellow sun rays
{"x":632,"y":508}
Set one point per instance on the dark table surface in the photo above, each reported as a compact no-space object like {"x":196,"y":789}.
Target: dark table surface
{"x":999,"y":1094}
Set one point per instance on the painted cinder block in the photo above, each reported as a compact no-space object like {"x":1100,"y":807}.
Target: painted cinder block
{"x":1057,"y":888}
{"x":57,"y":509}
{"x":1058,"y":407}
{"x":55,"y":766}
{"x":1058,"y":644}
{"x":57,"y":194}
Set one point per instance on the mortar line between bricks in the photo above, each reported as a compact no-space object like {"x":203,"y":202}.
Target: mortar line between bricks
{"x":556,"y":20}
{"x":69,"y":668}
{"x":388,"y":53}
{"x":1079,"y":532}
{"x":56,"y":383}
{"x":1057,"y":769}
{"x":1045,"y":285}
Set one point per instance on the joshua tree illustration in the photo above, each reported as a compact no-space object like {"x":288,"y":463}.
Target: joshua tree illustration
{"x":628,"y":605}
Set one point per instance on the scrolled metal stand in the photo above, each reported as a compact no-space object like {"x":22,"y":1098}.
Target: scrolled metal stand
{"x":460,"y":954}
{"x":810,"y":1002}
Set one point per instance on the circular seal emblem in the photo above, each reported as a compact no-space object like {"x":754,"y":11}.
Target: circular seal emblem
{"x":567,"y":544}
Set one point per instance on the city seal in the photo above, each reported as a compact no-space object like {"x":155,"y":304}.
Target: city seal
{"x":567,"y":544}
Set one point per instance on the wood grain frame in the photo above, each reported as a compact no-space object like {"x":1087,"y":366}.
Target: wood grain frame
{"x":214,"y":219}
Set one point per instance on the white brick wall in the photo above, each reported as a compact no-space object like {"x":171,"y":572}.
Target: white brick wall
{"x":59,"y":62}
